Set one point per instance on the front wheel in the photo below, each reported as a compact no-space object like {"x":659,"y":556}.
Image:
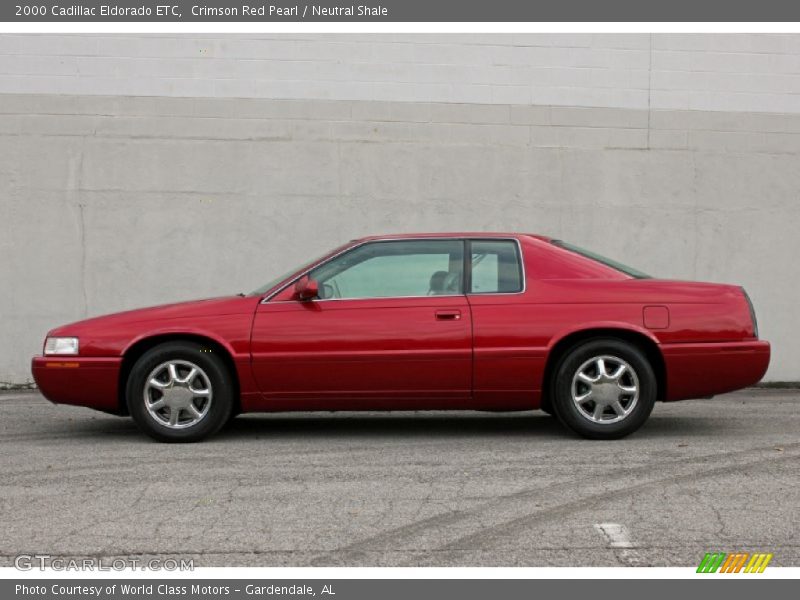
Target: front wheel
{"x":604,"y":389}
{"x":179,"y":392}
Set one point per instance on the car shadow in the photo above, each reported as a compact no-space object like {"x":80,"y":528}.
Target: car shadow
{"x":348,"y":425}
{"x":528,"y":425}
{"x":308,"y":426}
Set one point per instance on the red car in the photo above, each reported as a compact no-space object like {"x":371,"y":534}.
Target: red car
{"x":477,"y":321}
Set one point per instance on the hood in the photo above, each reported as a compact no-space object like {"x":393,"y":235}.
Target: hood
{"x":225,"y":305}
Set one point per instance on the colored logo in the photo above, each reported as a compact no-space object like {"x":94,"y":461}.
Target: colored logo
{"x":738,"y":562}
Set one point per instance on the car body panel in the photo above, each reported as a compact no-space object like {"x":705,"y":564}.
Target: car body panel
{"x":353,"y":354}
{"x":226,"y":321}
{"x":708,"y":369}
{"x":80,"y":381}
{"x":393,"y":353}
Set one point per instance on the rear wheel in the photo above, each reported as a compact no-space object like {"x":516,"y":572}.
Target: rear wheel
{"x":179,"y":392}
{"x":604,"y":389}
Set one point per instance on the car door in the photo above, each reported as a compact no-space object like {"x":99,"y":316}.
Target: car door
{"x":390,"y":329}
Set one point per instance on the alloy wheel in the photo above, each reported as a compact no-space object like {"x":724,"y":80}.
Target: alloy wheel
{"x":177,"y":394}
{"x":605,"y":389}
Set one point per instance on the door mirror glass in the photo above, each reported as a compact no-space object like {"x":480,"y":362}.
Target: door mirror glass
{"x":306,"y":289}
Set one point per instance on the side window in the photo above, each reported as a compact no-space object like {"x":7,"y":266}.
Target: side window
{"x":495,"y":267}
{"x":394,"y":269}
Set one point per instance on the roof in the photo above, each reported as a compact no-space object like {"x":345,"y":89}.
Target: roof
{"x":452,"y":234}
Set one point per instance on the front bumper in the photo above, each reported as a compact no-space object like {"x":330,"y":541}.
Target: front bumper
{"x":79,"y":380}
{"x":702,"y":370}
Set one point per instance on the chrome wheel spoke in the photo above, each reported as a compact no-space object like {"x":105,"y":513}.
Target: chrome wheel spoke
{"x":193,"y":410}
{"x":601,"y":368}
{"x":200,"y":393}
{"x":190,"y":377}
{"x":172,"y":369}
{"x":619,"y":372}
{"x":597,"y":414}
{"x":157,"y":405}
{"x":585,"y":397}
{"x":160,"y":385}
{"x":617,"y":407}
{"x":174,"y":415}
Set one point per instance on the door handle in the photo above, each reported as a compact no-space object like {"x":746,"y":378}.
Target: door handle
{"x":448,"y":315}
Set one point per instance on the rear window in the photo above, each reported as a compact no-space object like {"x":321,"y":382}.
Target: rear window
{"x":495,"y":267}
{"x":617,"y":266}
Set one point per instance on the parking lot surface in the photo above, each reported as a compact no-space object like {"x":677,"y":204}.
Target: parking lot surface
{"x":406,"y":489}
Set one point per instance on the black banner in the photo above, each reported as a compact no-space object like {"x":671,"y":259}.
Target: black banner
{"x":399,"y":11}
{"x":732,"y":587}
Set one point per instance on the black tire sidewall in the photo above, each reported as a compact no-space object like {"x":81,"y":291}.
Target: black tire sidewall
{"x":215,"y":369}
{"x":565,"y":409}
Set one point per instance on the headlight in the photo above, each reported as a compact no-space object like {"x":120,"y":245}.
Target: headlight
{"x":61,"y":345}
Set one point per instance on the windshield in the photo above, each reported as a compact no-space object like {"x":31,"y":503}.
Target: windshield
{"x":601,"y":259}
{"x":273,"y":282}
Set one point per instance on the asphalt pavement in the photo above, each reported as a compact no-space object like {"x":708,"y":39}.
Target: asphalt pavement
{"x":406,"y":489}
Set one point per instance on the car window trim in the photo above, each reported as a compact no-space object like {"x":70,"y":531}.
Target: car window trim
{"x":299,"y":276}
{"x":468,"y":265}
{"x":388,"y":241}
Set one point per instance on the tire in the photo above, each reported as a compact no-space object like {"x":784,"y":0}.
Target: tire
{"x":180,"y":392}
{"x":604,"y":406}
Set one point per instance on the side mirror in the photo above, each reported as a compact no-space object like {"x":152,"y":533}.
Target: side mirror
{"x":306,"y":289}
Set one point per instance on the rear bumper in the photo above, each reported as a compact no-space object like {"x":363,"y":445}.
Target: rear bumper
{"x":78,"y":380}
{"x":701,"y":370}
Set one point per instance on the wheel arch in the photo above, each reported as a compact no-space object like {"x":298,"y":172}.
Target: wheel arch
{"x":645,"y":342}
{"x":139,"y":347}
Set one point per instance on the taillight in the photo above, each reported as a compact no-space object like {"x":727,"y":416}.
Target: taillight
{"x":752,"y":312}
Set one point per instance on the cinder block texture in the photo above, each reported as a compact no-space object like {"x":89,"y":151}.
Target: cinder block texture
{"x":726,"y":72}
{"x":109,"y":203}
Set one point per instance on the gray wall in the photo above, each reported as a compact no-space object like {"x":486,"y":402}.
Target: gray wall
{"x":127,"y":181}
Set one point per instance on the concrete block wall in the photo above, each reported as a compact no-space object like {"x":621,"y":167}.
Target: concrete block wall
{"x":730,"y":72}
{"x":143,"y":169}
